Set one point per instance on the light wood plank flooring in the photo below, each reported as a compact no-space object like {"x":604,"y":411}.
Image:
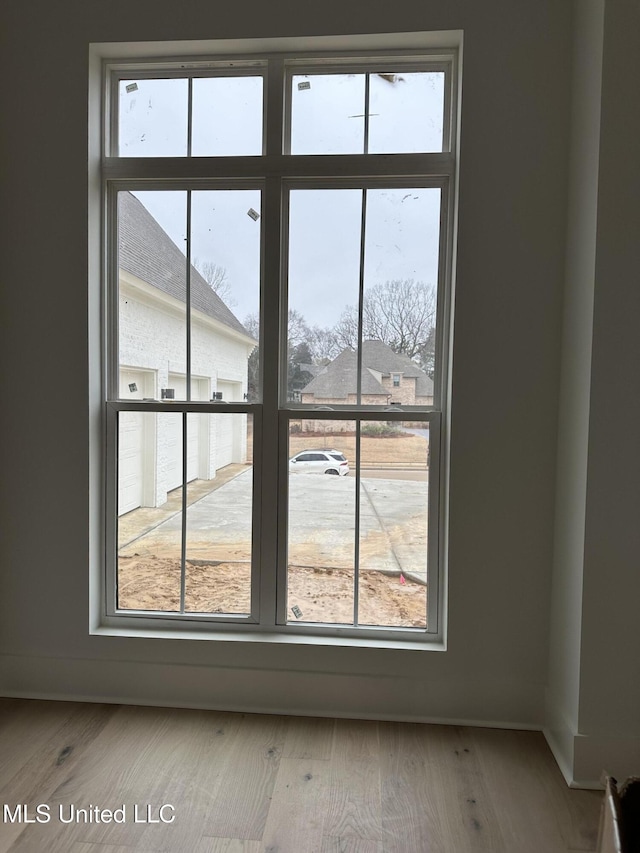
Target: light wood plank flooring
{"x":247,"y":783}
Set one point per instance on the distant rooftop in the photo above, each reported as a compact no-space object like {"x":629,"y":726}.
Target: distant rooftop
{"x":378,"y":356}
{"x":338,"y":378}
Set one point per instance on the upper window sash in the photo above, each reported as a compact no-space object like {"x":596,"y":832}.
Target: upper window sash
{"x":361,"y":77}
{"x":277,"y":74}
{"x":189,"y":213}
{"x":362,"y":279}
{"x":169,"y":112}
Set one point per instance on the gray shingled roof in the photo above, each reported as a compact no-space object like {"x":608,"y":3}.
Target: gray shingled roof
{"x":378,"y":356}
{"x":338,"y":378}
{"x":147,"y":252}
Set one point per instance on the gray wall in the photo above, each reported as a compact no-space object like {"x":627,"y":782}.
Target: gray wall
{"x":514,"y":218}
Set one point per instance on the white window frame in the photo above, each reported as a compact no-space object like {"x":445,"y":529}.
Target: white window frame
{"x":276,"y":172}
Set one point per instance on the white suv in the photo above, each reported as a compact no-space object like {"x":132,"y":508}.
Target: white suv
{"x":319,"y":462}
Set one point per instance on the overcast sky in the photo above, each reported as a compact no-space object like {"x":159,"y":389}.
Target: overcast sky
{"x":402,"y":225}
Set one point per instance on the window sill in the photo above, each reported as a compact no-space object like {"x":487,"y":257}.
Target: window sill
{"x":295,"y":638}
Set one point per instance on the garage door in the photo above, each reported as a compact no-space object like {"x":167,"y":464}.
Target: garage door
{"x":224,"y":427}
{"x":173,"y":425}
{"x":130,"y":464}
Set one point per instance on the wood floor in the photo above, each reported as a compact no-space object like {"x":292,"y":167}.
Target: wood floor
{"x":243,"y":783}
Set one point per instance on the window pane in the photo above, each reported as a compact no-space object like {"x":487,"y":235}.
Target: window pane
{"x":152,"y":291}
{"x":394,"y":491}
{"x":327,"y":114}
{"x":406,"y":112}
{"x":227,"y":116}
{"x":149,"y":510}
{"x":400,"y":286}
{"x":152,"y":118}
{"x":388,"y":522}
{"x":402,"y":233}
{"x":219,"y":514}
{"x":324,"y":270}
{"x":321,"y":541}
{"x":225,"y":293}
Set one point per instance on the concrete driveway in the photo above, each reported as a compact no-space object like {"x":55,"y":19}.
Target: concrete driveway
{"x":393,"y":523}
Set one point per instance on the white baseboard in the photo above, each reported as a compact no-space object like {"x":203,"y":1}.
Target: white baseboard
{"x":583,"y":758}
{"x":366,"y":696}
{"x":596,"y":754}
{"x":559,"y":734}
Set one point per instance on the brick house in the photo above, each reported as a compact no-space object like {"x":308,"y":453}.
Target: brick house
{"x":152,"y":329}
{"x":387,"y":377}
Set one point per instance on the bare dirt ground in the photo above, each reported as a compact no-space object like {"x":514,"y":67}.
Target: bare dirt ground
{"x":322,"y":594}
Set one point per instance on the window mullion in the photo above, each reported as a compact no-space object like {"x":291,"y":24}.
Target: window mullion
{"x":190,"y":117}
{"x":183,"y":536}
{"x":188,"y":297}
{"x":356,"y":549}
{"x":185,"y":417}
{"x":275,"y":95}
{"x":270,"y":370}
{"x":271,"y":335}
{"x":363,"y":227}
{"x":367,"y":95}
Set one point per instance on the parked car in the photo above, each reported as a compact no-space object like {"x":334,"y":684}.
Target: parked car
{"x":319,"y":462}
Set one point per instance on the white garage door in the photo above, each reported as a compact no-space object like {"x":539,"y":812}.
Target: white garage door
{"x":224,"y":427}
{"x":224,"y":440}
{"x":173,"y":425}
{"x":130,"y":460}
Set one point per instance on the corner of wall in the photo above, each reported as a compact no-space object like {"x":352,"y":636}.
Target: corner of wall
{"x":560,"y":735}
{"x":566,"y":603}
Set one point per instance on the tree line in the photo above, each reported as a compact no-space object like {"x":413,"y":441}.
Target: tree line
{"x":399,"y":312}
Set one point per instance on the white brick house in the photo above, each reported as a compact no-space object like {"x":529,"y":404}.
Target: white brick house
{"x":152,"y":346}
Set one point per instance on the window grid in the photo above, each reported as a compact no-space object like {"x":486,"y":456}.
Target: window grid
{"x":274,"y":172}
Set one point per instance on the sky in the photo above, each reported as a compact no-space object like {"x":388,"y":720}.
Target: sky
{"x":327,"y":116}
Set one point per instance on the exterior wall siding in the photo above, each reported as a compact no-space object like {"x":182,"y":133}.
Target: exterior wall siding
{"x":152,"y":338}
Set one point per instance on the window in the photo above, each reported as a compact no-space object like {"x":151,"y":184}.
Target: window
{"x":278,"y":253}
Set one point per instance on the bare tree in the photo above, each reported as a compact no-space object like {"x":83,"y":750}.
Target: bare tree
{"x":297,"y":329}
{"x":324,"y":344}
{"x":297,"y":349}
{"x":252,"y":325}
{"x":401,"y":312}
{"x":346,"y":329}
{"x":305,"y":346}
{"x":216,"y":277}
